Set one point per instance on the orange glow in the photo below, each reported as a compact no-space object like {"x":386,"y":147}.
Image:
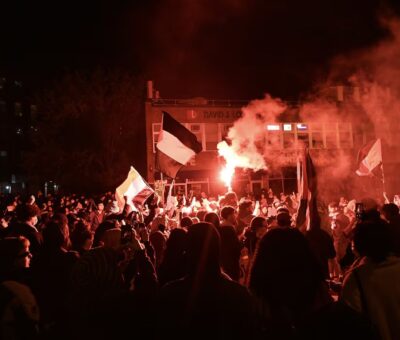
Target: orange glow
{"x":226,"y":176}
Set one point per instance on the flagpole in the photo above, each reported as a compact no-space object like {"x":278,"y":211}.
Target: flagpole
{"x":383,"y":174}
{"x":163,"y":188}
{"x":298,"y":173}
{"x":161,"y":173}
{"x":383,"y":180}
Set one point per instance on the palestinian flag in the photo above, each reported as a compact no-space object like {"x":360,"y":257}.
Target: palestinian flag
{"x":176,"y":146}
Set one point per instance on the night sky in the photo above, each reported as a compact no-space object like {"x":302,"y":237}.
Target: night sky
{"x":233,"y":49}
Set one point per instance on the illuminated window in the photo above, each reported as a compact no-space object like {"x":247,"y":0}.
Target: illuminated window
{"x":273,"y":127}
{"x":301,"y":127}
{"x":287,"y":127}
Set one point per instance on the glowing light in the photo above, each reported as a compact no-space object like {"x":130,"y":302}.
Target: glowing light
{"x":301,"y":126}
{"x":226,"y":175}
{"x":273,"y":127}
{"x":287,"y":127}
{"x":236,"y":158}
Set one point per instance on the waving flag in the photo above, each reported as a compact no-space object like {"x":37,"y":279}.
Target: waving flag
{"x":134,"y":189}
{"x":370,"y":158}
{"x":176,"y":146}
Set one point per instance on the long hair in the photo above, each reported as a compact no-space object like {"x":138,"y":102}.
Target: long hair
{"x":285,"y":273}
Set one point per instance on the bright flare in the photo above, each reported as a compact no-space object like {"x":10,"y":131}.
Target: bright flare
{"x":226,"y":175}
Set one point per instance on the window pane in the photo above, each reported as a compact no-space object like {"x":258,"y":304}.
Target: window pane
{"x":287,"y":127}
{"x":317,"y":140}
{"x":273,"y":127}
{"x":302,"y":139}
{"x":302,"y":127}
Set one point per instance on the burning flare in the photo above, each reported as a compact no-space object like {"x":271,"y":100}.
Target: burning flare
{"x":226,"y":175}
{"x":233,"y":161}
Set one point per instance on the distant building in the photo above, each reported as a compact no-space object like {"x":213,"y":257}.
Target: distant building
{"x":17,"y":118}
{"x":210,"y":120}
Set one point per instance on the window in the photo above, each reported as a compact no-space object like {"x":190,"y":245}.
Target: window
{"x":317,"y":136}
{"x":345,"y":135}
{"x":211,"y":136}
{"x":288,"y":136}
{"x":273,"y":127}
{"x":3,"y":153}
{"x":287,"y":127}
{"x":317,"y":140}
{"x":156,"y":127}
{"x":303,"y":138}
{"x":302,"y":127}
{"x":331,"y":138}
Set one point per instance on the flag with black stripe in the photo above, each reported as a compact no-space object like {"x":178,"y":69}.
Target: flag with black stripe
{"x":175,"y":147}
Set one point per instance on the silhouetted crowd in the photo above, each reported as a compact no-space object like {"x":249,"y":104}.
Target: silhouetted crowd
{"x":196,"y":267}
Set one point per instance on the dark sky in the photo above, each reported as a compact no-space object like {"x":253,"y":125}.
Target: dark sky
{"x":236,"y":49}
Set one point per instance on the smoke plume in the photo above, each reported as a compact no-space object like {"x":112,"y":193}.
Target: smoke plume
{"x":362,"y":88}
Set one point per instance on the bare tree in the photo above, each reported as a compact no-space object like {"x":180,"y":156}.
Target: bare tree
{"x":90,"y":130}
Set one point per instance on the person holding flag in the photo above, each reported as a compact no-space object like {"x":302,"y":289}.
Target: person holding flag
{"x":134,"y":191}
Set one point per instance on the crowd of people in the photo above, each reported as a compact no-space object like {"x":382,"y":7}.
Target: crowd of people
{"x":75,"y":267}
